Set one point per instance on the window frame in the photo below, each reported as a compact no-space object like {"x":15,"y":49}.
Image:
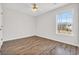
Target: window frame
{"x":60,"y":12}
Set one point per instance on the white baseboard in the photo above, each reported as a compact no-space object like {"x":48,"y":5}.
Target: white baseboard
{"x":18,"y":37}
{"x":70,"y":43}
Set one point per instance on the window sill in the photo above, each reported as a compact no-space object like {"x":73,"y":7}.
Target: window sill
{"x":65,"y":34}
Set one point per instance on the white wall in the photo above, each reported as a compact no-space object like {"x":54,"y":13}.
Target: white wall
{"x":1,"y":25}
{"x":17,"y":24}
{"x":46,"y":25}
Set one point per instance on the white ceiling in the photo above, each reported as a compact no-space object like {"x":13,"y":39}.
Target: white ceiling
{"x":27,"y":7}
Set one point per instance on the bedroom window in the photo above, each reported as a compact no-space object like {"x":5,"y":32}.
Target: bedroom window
{"x":64,"y":22}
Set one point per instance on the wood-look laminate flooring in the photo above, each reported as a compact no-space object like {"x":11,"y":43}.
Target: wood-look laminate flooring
{"x":37,"y":46}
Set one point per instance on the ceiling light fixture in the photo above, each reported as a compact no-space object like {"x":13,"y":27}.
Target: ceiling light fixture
{"x":34,"y":7}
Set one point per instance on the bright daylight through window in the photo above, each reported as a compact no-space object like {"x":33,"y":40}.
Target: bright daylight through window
{"x":64,"y":22}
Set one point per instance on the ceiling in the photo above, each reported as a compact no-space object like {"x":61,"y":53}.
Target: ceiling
{"x":27,"y":7}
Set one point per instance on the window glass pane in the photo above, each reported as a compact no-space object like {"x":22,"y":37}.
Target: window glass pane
{"x":64,"y":22}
